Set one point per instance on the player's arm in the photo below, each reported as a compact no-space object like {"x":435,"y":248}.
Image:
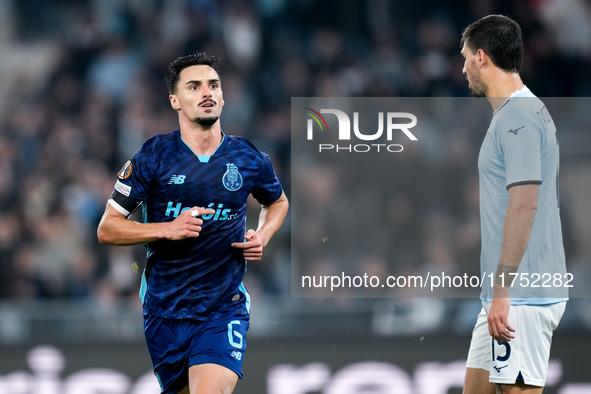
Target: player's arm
{"x":519,"y":218}
{"x":115,"y":229}
{"x":270,"y":220}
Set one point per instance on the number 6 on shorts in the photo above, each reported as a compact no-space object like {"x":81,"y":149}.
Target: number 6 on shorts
{"x":232,"y":334}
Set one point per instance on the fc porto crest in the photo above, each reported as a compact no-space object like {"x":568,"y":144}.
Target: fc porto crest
{"x":232,"y":180}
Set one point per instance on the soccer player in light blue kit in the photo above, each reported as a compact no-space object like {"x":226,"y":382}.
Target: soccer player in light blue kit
{"x":520,"y":222}
{"x":193,"y":185}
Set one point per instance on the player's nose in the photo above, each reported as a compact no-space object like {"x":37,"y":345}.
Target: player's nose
{"x":206,"y":92}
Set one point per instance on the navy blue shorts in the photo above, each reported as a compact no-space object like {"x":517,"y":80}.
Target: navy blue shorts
{"x":177,"y":344}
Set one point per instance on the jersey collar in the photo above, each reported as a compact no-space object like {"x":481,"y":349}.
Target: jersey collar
{"x":204,"y":158}
{"x":524,"y":89}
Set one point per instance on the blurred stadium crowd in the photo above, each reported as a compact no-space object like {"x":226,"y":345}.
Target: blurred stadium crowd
{"x":83,"y":88}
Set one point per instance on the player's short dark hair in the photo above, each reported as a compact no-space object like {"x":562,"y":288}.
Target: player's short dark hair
{"x":172,"y":76}
{"x":499,"y":37}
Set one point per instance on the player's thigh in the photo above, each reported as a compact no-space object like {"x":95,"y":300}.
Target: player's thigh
{"x":520,"y":388}
{"x":476,"y":382}
{"x":211,"y":379}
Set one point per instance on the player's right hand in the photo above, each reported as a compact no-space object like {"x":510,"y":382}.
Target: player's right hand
{"x":187,"y":224}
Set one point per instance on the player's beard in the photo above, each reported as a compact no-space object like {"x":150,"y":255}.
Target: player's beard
{"x":477,"y":91}
{"x":476,"y":86}
{"x":206,"y":121}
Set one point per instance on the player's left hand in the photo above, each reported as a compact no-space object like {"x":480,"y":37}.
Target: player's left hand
{"x":498,"y":320}
{"x":252,"y":247}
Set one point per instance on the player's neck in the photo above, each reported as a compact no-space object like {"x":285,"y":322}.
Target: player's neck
{"x":202,"y":140}
{"x":502,"y":86}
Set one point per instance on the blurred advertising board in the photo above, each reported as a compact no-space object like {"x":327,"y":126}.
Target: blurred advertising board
{"x":410,"y":365}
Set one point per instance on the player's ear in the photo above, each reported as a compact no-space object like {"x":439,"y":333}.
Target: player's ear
{"x":174,"y":103}
{"x":481,"y":57}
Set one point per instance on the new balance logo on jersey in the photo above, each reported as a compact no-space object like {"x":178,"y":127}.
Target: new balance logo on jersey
{"x":177,"y":180}
{"x":236,"y":354}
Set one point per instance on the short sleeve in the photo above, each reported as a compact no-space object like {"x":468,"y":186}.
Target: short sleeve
{"x":268,"y":188}
{"x":132,"y":185}
{"x":520,"y":141}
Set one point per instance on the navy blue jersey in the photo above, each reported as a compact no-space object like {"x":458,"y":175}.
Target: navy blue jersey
{"x":201,"y":277}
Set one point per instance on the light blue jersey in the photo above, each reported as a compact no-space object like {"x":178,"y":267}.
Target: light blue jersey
{"x":521,"y":147}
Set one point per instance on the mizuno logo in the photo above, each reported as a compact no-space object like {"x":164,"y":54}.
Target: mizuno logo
{"x":498,"y":369}
{"x":514,"y":131}
{"x":177,"y":179}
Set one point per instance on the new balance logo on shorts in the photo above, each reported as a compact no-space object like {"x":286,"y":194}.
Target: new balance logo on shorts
{"x":236,"y":354}
{"x":177,"y":179}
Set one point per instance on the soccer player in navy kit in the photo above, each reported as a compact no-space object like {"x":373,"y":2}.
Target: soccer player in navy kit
{"x":193,"y":185}
{"x":520,"y":218}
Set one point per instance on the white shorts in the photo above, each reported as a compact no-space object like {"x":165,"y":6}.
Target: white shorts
{"x":525,"y":357}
